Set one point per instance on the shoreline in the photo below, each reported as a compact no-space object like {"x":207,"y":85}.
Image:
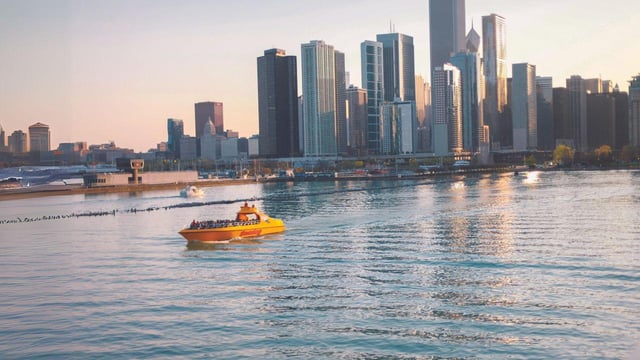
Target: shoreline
{"x":59,"y":190}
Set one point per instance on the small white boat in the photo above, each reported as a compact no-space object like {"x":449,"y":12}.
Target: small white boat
{"x":191,"y":191}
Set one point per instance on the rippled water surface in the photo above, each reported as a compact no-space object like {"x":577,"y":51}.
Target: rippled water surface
{"x":543,"y":265}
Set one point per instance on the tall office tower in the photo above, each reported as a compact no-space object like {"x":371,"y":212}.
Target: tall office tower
{"x":634,"y":111}
{"x":18,"y":142}
{"x":593,"y":86}
{"x":474,"y":41}
{"x":607,"y":86}
{"x":601,"y":114}
{"x":357,"y":121}
{"x":578,"y":111}
{"x":398,"y":130}
{"x":209,"y":142}
{"x":3,"y":144}
{"x":278,"y":104}
{"x":39,"y":137}
{"x":447,"y":110}
{"x":470,"y":66}
{"x":319,"y":98}
{"x":341,"y":103}
{"x":175,"y":131}
{"x":621,"y":136}
{"x":494,"y":47}
{"x":562,"y":131}
{"x":372,"y":81}
{"x":398,"y":67}
{"x":209,"y":110}
{"x":446,"y":30}
{"x":524,"y":107}
{"x":544,"y":90}
{"x":421,"y":106}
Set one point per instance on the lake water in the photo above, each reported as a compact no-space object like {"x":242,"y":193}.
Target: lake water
{"x":542,"y":265}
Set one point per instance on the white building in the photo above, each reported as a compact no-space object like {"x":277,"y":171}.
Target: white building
{"x":446,"y":108}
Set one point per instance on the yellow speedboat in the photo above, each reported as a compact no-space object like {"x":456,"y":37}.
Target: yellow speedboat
{"x":249,"y":222}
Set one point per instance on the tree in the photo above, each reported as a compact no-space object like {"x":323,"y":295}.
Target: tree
{"x":629,"y":153}
{"x":530,"y":161}
{"x":563,"y":155}
{"x":603,"y":154}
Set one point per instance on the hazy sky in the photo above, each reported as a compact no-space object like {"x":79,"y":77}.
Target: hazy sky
{"x":116,"y":70}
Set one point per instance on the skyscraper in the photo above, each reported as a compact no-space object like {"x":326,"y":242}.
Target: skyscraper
{"x":544,"y":90}
{"x":524,"y":107}
{"x":278,"y":104}
{"x":398,"y":66}
{"x":341,"y":103}
{"x":319,"y":99}
{"x":446,"y":30}
{"x":578,"y":111}
{"x":634,"y":111}
{"x":3,"y":144}
{"x":175,"y":131}
{"x":447,"y":110}
{"x":39,"y":137}
{"x":494,"y":49}
{"x":357,"y":121}
{"x":209,"y":110}
{"x":372,"y":81}
{"x":18,"y":142}
{"x":398,"y":130}
{"x":470,"y":66}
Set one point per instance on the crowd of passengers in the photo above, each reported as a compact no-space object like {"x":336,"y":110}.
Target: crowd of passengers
{"x":211,"y":224}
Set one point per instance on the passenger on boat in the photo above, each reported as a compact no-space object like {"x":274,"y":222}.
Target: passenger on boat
{"x":242,"y":217}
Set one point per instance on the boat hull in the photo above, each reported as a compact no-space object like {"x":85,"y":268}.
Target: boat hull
{"x":273,"y":226}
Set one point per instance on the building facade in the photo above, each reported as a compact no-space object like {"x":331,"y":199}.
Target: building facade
{"x":494,"y":48}
{"x":357,"y":121}
{"x":398,"y":128}
{"x":319,"y":99}
{"x":544,"y":97}
{"x":278,"y":104}
{"x":578,"y":111}
{"x":341,"y":103}
{"x":18,"y":143}
{"x":634,"y":111}
{"x":39,"y":137}
{"x":398,"y":67}
{"x":524,"y":107}
{"x":371,"y":53}
{"x":446,"y":30}
{"x":175,"y":131}
{"x":209,"y":110}
{"x":470,"y":66}
{"x":447,"y":110}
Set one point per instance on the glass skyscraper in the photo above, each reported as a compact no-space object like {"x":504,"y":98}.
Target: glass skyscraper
{"x":446,"y":30}
{"x":319,"y":99}
{"x":494,"y":49}
{"x":278,"y":104}
{"x":209,"y":110}
{"x":524,"y":107}
{"x":398,"y":67}
{"x":447,"y":110}
{"x":470,"y":66}
{"x":372,"y":81}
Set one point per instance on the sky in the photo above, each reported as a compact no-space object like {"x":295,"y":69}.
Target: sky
{"x":115,"y":70}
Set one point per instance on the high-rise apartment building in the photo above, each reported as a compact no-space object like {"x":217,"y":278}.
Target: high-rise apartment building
{"x":446,"y":30}
{"x":319,"y":99}
{"x":634,"y":111}
{"x":39,"y":137}
{"x":544,"y":90}
{"x":341,"y":103}
{"x":18,"y":142}
{"x":371,"y":53}
{"x":470,"y":66}
{"x":398,"y":67}
{"x":175,"y":131}
{"x":278,"y":104}
{"x":398,"y":130}
{"x":357,"y":121}
{"x":447,"y":110}
{"x":494,"y":47}
{"x":578,"y":111}
{"x":524,"y":107}
{"x":209,"y":110}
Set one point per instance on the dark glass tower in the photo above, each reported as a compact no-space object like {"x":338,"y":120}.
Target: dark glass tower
{"x":209,"y":110}
{"x":278,"y":104}
{"x":399,"y":67}
{"x":446,"y":30}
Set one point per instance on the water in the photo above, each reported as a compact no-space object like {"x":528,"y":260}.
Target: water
{"x":543,"y":265}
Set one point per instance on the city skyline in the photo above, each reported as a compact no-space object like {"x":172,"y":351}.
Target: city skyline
{"x":118,"y":70}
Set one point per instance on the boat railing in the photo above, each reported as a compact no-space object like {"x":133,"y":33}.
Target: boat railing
{"x":216,"y":224}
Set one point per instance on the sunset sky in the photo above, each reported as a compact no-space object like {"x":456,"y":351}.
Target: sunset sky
{"x":97,"y":71}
